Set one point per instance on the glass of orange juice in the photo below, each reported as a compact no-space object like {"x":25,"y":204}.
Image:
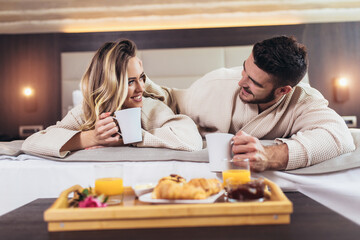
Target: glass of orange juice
{"x":109,"y":182}
{"x":237,"y":174}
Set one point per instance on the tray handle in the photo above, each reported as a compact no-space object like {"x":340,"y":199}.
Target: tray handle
{"x":62,"y":201}
{"x":275,"y":191}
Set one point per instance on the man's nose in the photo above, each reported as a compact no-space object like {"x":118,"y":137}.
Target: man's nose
{"x":243,"y":81}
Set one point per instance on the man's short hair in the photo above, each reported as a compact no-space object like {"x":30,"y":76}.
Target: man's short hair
{"x":282,"y":57}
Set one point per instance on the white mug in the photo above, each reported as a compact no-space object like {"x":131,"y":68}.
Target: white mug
{"x":220,"y":152}
{"x":129,"y":121}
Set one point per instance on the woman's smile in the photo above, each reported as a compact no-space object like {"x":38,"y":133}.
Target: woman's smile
{"x":137,"y":98}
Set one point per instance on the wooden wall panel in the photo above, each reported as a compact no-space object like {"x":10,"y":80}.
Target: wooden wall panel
{"x":29,"y":60}
{"x":334,"y":50}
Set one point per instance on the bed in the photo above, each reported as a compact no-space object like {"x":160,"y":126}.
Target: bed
{"x":25,"y":177}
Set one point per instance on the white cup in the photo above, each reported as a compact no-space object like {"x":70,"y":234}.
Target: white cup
{"x":219,"y":148}
{"x":129,"y":121}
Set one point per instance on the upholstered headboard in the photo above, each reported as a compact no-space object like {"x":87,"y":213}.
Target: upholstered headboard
{"x":178,"y":67}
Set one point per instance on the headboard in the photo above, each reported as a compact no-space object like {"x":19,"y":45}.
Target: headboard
{"x":175,"y":67}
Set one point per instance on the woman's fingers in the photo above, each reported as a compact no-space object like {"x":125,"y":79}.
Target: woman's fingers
{"x":106,"y":129}
{"x":106,"y":125}
{"x":104,"y":115}
{"x":109,"y":131}
{"x":113,"y":139}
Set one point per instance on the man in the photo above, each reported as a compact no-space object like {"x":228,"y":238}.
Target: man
{"x":264,"y":99}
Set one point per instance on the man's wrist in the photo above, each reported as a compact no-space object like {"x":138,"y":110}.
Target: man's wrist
{"x":278,"y":156}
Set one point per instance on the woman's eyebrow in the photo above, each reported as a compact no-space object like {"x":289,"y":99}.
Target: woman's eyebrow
{"x":134,"y":78}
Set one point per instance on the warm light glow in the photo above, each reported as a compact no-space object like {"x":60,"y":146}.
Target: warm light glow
{"x":342,"y":82}
{"x":158,"y":15}
{"x":182,"y":23}
{"x":341,"y":89}
{"x":28,"y":92}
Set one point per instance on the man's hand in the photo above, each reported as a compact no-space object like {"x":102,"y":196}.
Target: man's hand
{"x":261,"y":158}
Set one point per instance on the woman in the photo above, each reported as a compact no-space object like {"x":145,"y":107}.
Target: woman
{"x":115,"y":80}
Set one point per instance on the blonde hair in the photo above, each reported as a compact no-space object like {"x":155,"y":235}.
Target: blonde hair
{"x":104,"y":84}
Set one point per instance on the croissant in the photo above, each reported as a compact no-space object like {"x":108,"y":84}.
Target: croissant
{"x":211,"y":186}
{"x":174,"y":178}
{"x":175,"y":187}
{"x":173,"y":190}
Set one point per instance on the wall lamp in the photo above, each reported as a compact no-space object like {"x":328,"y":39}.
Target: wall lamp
{"x":30,"y":102}
{"x":341,"y":89}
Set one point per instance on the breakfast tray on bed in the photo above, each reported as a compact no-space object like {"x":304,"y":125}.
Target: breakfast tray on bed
{"x":135,"y":214}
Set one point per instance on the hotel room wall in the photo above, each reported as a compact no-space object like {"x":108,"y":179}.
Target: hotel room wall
{"x":28,"y":61}
{"x":333,"y":48}
{"x":334,"y":51}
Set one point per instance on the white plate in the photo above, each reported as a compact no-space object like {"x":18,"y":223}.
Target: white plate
{"x":141,"y":189}
{"x":147,"y":198}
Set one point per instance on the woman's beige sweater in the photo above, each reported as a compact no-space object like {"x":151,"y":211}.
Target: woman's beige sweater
{"x":161,"y":128}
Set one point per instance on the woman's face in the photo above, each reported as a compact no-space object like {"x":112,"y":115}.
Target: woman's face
{"x":136,"y":83}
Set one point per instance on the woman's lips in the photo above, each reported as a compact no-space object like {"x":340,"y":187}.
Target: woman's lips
{"x":137,"y":98}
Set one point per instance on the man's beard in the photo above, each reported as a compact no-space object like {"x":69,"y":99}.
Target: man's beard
{"x":270,"y":97}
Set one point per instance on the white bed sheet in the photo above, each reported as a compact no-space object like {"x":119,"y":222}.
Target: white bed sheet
{"x":26,"y":178}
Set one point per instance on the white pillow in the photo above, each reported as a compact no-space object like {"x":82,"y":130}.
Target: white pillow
{"x":77,"y":97}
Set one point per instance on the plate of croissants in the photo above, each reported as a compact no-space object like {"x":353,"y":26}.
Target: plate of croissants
{"x":175,"y":189}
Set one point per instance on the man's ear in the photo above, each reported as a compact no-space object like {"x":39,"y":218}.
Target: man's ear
{"x":284,"y":90}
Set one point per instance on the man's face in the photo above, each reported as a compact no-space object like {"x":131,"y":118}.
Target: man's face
{"x":255,"y":85}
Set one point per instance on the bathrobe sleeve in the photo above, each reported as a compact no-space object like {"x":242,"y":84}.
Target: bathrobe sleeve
{"x":50,"y":141}
{"x":163,"y":128}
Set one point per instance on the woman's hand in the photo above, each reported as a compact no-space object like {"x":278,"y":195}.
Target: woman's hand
{"x":104,"y":134}
{"x":106,"y":131}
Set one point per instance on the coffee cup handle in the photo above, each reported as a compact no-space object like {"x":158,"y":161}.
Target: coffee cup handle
{"x":231,"y":145}
{"x":232,"y":153}
{"x":117,"y":124}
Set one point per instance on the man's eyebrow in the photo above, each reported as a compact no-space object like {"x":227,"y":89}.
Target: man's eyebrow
{"x":255,"y":82}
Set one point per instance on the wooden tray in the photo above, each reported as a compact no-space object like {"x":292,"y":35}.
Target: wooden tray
{"x":135,"y":214}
